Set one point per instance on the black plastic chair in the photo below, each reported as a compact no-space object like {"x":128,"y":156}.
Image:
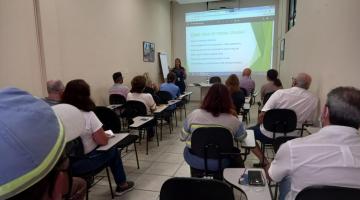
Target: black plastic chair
{"x":165,"y":97}
{"x":195,"y":189}
{"x":244,"y":91}
{"x":111,"y":122}
{"x":75,"y":151}
{"x":328,"y":193}
{"x":278,"y":121}
{"x":134,"y":109}
{"x":214,"y":79}
{"x":238,"y":99}
{"x":116,"y":99}
{"x":211,"y":143}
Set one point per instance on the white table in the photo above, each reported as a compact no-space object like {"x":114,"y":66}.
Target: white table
{"x":140,"y":120}
{"x":232,"y":176}
{"x":184,"y":95}
{"x":172,"y":102}
{"x":249,"y":140}
{"x":247,"y":99}
{"x":246,"y":106}
{"x":160,"y":108}
{"x":113,"y":141}
{"x":114,"y":106}
{"x":204,"y":88}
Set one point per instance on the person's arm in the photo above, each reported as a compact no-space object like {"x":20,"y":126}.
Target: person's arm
{"x":185,"y":131}
{"x":151,"y":103}
{"x":100,"y":137}
{"x":261,"y":117}
{"x":98,"y":133}
{"x":281,"y":165}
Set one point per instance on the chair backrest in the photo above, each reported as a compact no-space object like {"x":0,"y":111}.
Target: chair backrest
{"x":116,"y":99}
{"x":149,"y":90}
{"x":238,"y":99}
{"x":214,"y":79}
{"x":195,"y":189}
{"x":280,"y":120}
{"x":267,"y":97}
{"x":164,"y":96}
{"x":328,"y":193}
{"x":134,"y":109}
{"x":244,"y":91}
{"x":211,"y":141}
{"x":108,"y":118}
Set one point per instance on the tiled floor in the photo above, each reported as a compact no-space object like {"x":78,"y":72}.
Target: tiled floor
{"x":162,"y":162}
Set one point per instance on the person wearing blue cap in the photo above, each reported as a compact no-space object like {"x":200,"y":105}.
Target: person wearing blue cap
{"x":32,"y":140}
{"x":77,"y":93}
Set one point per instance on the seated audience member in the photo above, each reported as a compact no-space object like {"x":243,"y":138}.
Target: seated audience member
{"x":150,"y":87}
{"x":328,"y":157}
{"x":296,"y":98}
{"x":237,"y":96}
{"x":37,"y":170}
{"x":77,"y":93}
{"x":170,"y":85}
{"x":216,"y":109}
{"x":136,"y":94}
{"x":118,"y":87}
{"x":246,"y":82}
{"x":274,"y":83}
{"x":55,"y":89}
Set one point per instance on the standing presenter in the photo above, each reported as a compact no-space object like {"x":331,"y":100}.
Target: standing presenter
{"x":180,"y":75}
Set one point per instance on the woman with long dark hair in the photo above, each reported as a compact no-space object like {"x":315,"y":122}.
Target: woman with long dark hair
{"x":274,"y":83}
{"x":216,"y":109}
{"x":180,"y":72}
{"x":77,"y":93}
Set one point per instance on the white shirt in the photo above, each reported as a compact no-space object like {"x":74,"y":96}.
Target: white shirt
{"x":328,"y":157}
{"x":303,"y":102}
{"x":118,"y":88}
{"x":92,"y":124}
{"x":145,"y":98}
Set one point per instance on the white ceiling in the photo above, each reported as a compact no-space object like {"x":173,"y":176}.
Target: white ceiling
{"x":192,"y":1}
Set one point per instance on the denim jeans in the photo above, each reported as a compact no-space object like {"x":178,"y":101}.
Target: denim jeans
{"x":284,"y":187}
{"x":96,"y":159}
{"x":259,"y":135}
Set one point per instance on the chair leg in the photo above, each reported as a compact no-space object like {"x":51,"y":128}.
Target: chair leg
{"x":161,"y":126}
{"x":147,"y":143}
{"x":136,"y":155}
{"x":175,"y":118}
{"x":87,"y":192}
{"x":111,"y":189}
{"x":157,"y":136}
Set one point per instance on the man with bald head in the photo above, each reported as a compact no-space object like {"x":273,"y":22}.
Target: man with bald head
{"x":55,"y":89}
{"x":246,"y":82}
{"x":296,"y":98}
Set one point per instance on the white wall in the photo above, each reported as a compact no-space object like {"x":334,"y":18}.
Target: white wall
{"x":97,"y":38}
{"x":178,"y":35}
{"x":81,"y":39}
{"x":325,"y":42}
{"x":19,"y":50}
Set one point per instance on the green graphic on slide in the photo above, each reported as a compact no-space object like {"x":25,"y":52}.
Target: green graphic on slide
{"x":261,"y":60}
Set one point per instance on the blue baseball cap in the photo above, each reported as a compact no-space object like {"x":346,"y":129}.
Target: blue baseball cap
{"x":31,"y":141}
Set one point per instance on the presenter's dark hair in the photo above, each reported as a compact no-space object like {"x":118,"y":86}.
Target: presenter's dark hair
{"x":272,"y":75}
{"x":117,"y":76}
{"x":218,"y":100}
{"x":77,"y":93}
{"x":171,"y":77}
{"x":138,"y":84}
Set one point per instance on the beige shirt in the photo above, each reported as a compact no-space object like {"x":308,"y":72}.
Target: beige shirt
{"x":267,"y":88}
{"x":328,"y":157}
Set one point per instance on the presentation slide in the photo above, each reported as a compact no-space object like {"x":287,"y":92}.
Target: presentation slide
{"x":227,"y":41}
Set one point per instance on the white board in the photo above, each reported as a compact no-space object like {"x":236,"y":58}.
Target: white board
{"x":164,"y":64}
